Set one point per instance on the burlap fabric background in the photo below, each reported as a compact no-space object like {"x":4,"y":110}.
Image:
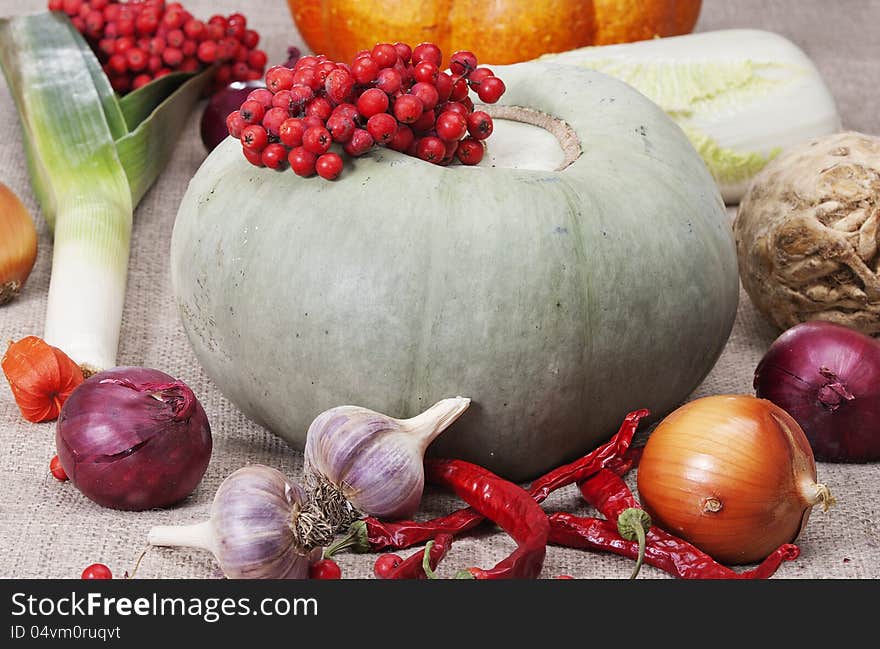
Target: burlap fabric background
{"x":49,"y":530}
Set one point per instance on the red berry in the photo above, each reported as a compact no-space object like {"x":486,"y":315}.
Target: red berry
{"x":384,"y":54}
{"x":316,"y":140}
{"x":359,"y":143}
{"x":274,"y":156}
{"x":455,"y":107}
{"x":71,"y":7}
{"x":173,"y":19}
{"x":468,"y":104}
{"x":479,"y":74}
{"x":227,"y":49}
{"x":451,"y":126}
{"x":240,"y":71}
{"x":175,"y":38}
{"x":329,"y":166}
{"x":156,"y":45}
{"x":291,"y":132}
{"x":94,"y":22}
{"x":338,"y":85}
{"x":273,"y":119}
{"x":490,"y":89}
{"x":279,"y":78}
{"x":97,"y":571}
{"x":235,"y":124}
{"x":365,"y":70}
{"x":408,"y":108}
{"x":195,"y":29}
{"x":340,"y":127}
{"x":402,"y":139}
{"x":427,"y":52}
{"x":136,"y":58}
{"x":444,"y":86}
{"x":382,"y":127}
{"x":372,"y":102}
{"x":313,"y":120}
{"x":459,"y":90}
{"x":427,"y":93}
{"x":300,"y":96}
{"x":389,"y":81}
{"x":404,"y":51}
{"x":424,"y":123}
{"x":172,"y":56}
{"x":56,"y":469}
{"x":347,"y":110}
{"x":207,"y":51}
{"x":223,"y":76}
{"x":320,"y":107}
{"x":385,"y":565}
{"x":250,"y":39}
{"x":262,"y":95}
{"x":146,"y":23}
{"x":118,"y":64}
{"x":325,"y":568}
{"x":252,"y":112}
{"x":302,"y":162}
{"x":462,"y":62}
{"x":254,"y":137}
{"x":254,"y":157}
{"x":140,"y":81}
{"x":426,"y":71}
{"x":479,"y":125}
{"x":306,"y":76}
{"x":55,"y":5}
{"x":470,"y":151}
{"x":431,"y":149}
{"x":257,"y":59}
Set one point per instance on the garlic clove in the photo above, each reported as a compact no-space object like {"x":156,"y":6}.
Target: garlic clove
{"x":18,"y":244}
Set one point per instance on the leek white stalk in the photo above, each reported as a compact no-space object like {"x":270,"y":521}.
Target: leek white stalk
{"x":740,"y":95}
{"x":91,"y":158}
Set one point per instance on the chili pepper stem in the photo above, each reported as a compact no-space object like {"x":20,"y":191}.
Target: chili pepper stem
{"x":632,"y":524}
{"x":464,"y":574}
{"x":426,"y":561}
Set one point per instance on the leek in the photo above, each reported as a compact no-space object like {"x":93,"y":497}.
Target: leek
{"x":740,"y":95}
{"x":91,"y":157}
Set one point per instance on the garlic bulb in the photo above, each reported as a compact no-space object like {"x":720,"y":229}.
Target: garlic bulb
{"x":252,"y":530}
{"x":371,"y":462}
{"x":18,"y":244}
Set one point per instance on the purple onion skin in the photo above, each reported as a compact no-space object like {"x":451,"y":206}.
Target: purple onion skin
{"x":133,"y":438}
{"x":827,"y":377}
{"x":213,"y":123}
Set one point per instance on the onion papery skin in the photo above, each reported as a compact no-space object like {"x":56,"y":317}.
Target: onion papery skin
{"x":732,"y":474}
{"x":827,"y":377}
{"x":133,"y":438}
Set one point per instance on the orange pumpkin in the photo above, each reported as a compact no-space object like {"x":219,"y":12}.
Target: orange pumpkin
{"x":504,"y":31}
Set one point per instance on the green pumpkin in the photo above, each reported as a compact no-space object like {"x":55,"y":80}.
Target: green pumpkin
{"x":557,"y":300}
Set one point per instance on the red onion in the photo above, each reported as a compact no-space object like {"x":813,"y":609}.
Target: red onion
{"x":133,"y":438}
{"x":213,"y":123}
{"x":827,"y":377}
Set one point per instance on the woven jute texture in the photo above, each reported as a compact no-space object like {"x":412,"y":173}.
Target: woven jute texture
{"x":49,"y":530}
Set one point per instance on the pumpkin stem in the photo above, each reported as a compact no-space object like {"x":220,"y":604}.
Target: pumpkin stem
{"x":566,"y":136}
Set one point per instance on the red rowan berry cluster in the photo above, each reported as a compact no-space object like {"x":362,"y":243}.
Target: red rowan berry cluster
{"x":392,"y":95}
{"x":141,"y":40}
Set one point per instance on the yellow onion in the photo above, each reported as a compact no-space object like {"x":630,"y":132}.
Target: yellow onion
{"x":732,"y":474}
{"x":18,"y":244}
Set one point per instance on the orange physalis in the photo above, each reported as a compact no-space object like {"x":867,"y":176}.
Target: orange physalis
{"x":41,"y":377}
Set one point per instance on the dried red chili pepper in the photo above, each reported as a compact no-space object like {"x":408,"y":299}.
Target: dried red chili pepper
{"x":672,"y":555}
{"x":610,"y":495}
{"x":506,"y":504}
{"x":422,"y":564}
{"x":371,"y":534}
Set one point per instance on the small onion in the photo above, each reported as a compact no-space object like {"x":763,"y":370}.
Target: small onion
{"x":212,"y":126}
{"x":252,"y":530}
{"x":827,"y":376}
{"x":133,"y":438}
{"x":732,"y":474}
